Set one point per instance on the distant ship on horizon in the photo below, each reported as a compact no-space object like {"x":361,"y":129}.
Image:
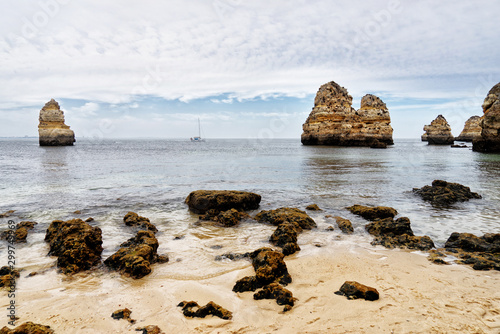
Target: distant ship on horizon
{"x":198,"y":139}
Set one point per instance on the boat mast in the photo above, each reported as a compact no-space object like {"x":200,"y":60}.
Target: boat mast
{"x":199,"y":128}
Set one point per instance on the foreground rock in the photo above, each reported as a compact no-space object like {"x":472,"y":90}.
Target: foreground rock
{"x":445,"y":193}
{"x":151,"y":329}
{"x":355,"y":290}
{"x":482,"y":253}
{"x":392,"y":233}
{"x":275,"y":291}
{"x":226,"y":218}
{"x":333,"y":121}
{"x":200,"y":201}
{"x":472,"y":129}
{"x":438,"y":132}
{"x":281,"y":215}
{"x":136,"y":255}
{"x":123,"y":314}
{"x":345,"y":225}
{"x":285,"y":236}
{"x":192,"y":309}
{"x":51,"y":130}
{"x":143,"y":223}
{"x":77,"y":245}
{"x":20,"y":233}
{"x":373,"y":213}
{"x":28,"y":328}
{"x":489,"y":141}
{"x":8,"y":277}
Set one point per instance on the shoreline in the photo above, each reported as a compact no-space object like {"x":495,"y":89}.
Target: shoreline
{"x":416,"y":296}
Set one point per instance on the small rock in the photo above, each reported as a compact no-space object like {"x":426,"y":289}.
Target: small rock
{"x":90,"y":219}
{"x":123,"y":314}
{"x":281,"y":215}
{"x":151,"y":329}
{"x":313,"y":207}
{"x":373,"y":213}
{"x":344,"y":225}
{"x":143,"y":223}
{"x":276,"y":291}
{"x":192,"y":309}
{"x":355,"y":290}
{"x":330,"y":228}
{"x":7,"y":213}
{"x":77,"y":212}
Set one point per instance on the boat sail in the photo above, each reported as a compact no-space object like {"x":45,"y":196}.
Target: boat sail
{"x":198,"y":139}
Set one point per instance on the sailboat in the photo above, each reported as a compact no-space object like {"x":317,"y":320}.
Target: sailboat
{"x":198,"y":139}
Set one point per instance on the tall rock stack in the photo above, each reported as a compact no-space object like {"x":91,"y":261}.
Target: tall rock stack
{"x":438,"y":132}
{"x":489,"y":141}
{"x":472,"y":129}
{"x":333,"y":120}
{"x":52,"y":131}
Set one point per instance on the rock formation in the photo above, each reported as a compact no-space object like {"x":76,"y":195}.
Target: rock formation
{"x":438,"y":132}
{"x":373,"y":213}
{"x":192,"y":309}
{"x":489,"y":141}
{"x":355,"y":290}
{"x":200,"y":201}
{"x":472,"y":129}
{"x":333,"y":120}
{"x":52,"y":131}
{"x":443,"y":193}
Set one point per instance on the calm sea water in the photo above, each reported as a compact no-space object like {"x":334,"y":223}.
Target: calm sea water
{"x":105,"y":179}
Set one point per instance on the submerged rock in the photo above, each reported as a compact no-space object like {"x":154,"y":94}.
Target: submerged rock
{"x":136,"y":255}
{"x":28,"y":328}
{"x":226,"y":218}
{"x":281,"y":215}
{"x":285,"y":236}
{"x":489,"y":141}
{"x":232,"y":256}
{"x":77,"y":245}
{"x":445,"y":193}
{"x":269,"y":267}
{"x":372,"y":213}
{"x":472,"y":129}
{"x":52,"y":131}
{"x":192,"y":309}
{"x":438,"y":132}
{"x":275,"y":291}
{"x":333,"y":120}
{"x":483,"y":253}
{"x":355,"y":290}
{"x":345,"y":225}
{"x":200,"y":201}
{"x":143,"y":223}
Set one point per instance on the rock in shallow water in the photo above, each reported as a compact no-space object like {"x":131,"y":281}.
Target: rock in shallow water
{"x":281,"y":215}
{"x":373,"y":213}
{"x":143,"y":223}
{"x":200,"y":201}
{"x":445,"y":193}
{"x":51,"y":130}
{"x":438,"y":132}
{"x":285,"y":236}
{"x":483,"y":253}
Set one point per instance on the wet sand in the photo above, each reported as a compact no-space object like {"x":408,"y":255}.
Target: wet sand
{"x":416,"y":296}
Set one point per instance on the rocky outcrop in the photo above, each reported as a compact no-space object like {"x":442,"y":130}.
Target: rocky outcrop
{"x":200,"y":201}
{"x":281,"y":215}
{"x":77,"y":245}
{"x":372,"y":213}
{"x":192,"y":309}
{"x":285,"y":236}
{"x":8,"y":277}
{"x":489,"y":141}
{"x":136,"y":255}
{"x":28,"y":328}
{"x":355,"y":290}
{"x":19,"y":234}
{"x":143,"y":223}
{"x":472,"y":129}
{"x":345,"y":225}
{"x":333,"y":120}
{"x":392,"y":233}
{"x":445,"y":193}
{"x":51,"y":130}
{"x":438,"y":132}
{"x":275,"y":291}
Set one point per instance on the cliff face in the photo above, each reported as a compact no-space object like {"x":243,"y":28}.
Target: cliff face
{"x":333,"y":120}
{"x":438,"y":132}
{"x":51,"y":130}
{"x":471,"y":129}
{"x":489,"y":141}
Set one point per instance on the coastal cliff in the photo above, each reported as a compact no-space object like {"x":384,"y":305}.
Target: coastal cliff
{"x":438,"y":132}
{"x":471,"y":129}
{"x":51,"y":130}
{"x":333,"y":120}
{"x":489,"y":141}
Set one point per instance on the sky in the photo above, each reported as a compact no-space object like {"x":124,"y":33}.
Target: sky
{"x":246,"y":69}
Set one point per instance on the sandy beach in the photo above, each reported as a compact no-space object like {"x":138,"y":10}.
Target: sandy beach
{"x":416,"y":296}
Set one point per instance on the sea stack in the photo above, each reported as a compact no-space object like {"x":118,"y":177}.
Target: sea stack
{"x":438,"y":132}
{"x":52,"y":131}
{"x":472,"y":129}
{"x":489,"y":141}
{"x":333,"y":120}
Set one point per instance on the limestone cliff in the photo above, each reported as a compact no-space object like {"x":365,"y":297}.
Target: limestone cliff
{"x":489,"y":141}
{"x":333,"y":121}
{"x":438,"y":132}
{"x":471,"y":129}
{"x":52,"y":131}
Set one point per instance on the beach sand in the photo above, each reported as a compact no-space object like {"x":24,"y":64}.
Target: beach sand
{"x":416,"y":296}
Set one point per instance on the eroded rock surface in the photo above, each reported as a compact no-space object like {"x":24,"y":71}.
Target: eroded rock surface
{"x":51,"y":130}
{"x":445,"y":193}
{"x":472,"y":129}
{"x":438,"y":132}
{"x":489,"y":141}
{"x":333,"y":120}
{"x":200,"y":201}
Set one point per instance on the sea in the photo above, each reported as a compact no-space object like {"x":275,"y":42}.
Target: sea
{"x":106,"y":178}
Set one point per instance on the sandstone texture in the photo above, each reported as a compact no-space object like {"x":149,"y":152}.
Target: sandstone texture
{"x":51,"y":130}
{"x":438,"y":132}
{"x":77,"y":245}
{"x":333,"y":120}
{"x":489,"y":141}
{"x":472,"y":129}
{"x":200,"y":201}
{"x":445,"y":193}
{"x":192,"y":309}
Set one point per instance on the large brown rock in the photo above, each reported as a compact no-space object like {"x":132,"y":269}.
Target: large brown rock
{"x":77,"y":245}
{"x":443,"y":193}
{"x":472,"y":129}
{"x":28,"y":328}
{"x":482,"y":253}
{"x":438,"y":132}
{"x":355,"y":290}
{"x":200,"y":201}
{"x":333,"y":120}
{"x":281,"y":215}
{"x":489,"y":141}
{"x":51,"y":130}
